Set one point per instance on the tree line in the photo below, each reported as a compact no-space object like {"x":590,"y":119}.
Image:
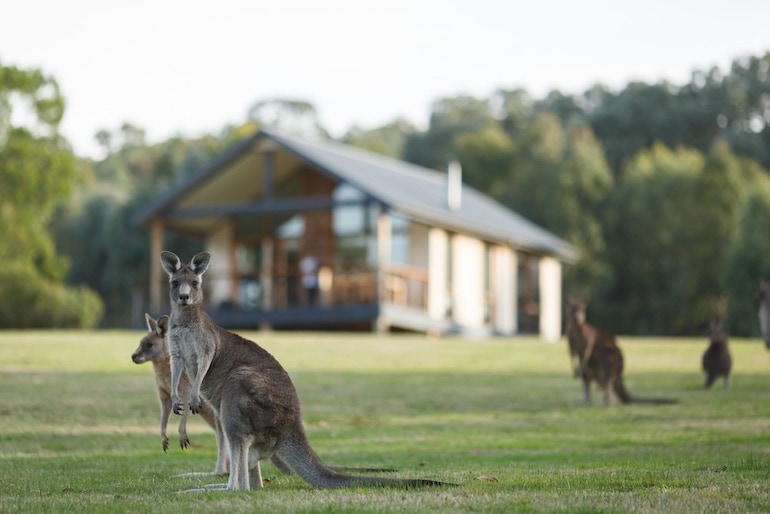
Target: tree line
{"x":663,"y":188}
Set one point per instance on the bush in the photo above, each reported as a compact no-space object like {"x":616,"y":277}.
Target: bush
{"x":27,"y":300}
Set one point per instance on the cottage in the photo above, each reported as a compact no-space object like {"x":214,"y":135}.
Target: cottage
{"x":317,"y":234}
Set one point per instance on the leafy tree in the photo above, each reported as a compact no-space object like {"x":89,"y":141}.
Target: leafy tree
{"x":746,"y":261}
{"x":630,"y":121}
{"x":450,"y":118}
{"x":487,"y":158}
{"x":560,"y":182}
{"x":515,"y":109}
{"x":719,"y":191}
{"x":650,"y":237}
{"x":94,"y":229}
{"x":296,"y":117}
{"x":387,"y":140}
{"x":36,"y":167}
{"x":37,"y":170}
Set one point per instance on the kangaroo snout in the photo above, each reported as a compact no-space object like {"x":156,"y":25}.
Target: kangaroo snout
{"x":138,"y":358}
{"x":183,"y":296}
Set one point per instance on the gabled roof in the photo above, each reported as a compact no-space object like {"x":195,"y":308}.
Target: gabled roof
{"x":417,"y":192}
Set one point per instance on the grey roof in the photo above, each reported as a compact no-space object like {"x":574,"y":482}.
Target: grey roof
{"x":418,"y":192}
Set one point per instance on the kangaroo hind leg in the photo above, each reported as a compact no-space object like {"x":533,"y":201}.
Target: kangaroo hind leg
{"x":239,"y":464}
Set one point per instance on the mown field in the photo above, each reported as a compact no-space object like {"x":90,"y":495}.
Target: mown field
{"x":502,"y":418}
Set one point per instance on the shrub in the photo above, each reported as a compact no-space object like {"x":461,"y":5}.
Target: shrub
{"x":28,"y":300}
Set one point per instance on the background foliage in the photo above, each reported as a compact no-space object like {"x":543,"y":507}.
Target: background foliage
{"x":37,"y":170}
{"x":662,"y":187}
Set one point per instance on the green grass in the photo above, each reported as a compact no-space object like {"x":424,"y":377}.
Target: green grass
{"x":502,"y":418}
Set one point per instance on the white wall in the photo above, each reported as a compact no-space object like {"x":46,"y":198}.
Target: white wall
{"x":504,"y":286}
{"x":438,"y":295}
{"x":418,"y":245}
{"x":468,"y":268}
{"x":550,"y":299}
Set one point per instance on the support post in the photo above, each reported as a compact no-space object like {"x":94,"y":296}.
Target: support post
{"x":156,"y":271}
{"x":383,"y":264}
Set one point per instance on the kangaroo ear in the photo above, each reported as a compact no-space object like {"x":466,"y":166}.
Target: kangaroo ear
{"x":162,"y":327}
{"x":200,"y":263}
{"x":151,"y":324}
{"x":170,"y":262}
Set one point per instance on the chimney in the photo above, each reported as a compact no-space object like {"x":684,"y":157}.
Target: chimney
{"x":454,"y":185}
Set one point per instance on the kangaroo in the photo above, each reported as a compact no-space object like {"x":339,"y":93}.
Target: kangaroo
{"x":598,"y":357}
{"x":716,"y":359}
{"x":254,"y":397}
{"x":762,"y":301}
{"x":154,"y":348}
{"x":575,"y":341}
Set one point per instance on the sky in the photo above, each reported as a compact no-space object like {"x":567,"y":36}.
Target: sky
{"x":192,"y":67}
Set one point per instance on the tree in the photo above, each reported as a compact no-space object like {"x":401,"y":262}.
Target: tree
{"x":388,"y":139}
{"x":719,"y":191}
{"x":649,"y":234}
{"x":94,"y":228}
{"x":746,"y":261}
{"x":296,"y":117}
{"x":37,"y":170}
{"x":37,"y":167}
{"x":560,"y":181}
{"x":487,"y":158}
{"x":450,"y":118}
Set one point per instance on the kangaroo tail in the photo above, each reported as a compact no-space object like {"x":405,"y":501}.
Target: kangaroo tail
{"x":356,"y":469}
{"x":626,"y":397}
{"x":300,"y":457}
{"x":622,"y":393}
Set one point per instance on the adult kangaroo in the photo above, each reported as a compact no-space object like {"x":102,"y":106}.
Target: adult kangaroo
{"x":255,"y":399}
{"x":762,"y":299}
{"x":598,"y":357}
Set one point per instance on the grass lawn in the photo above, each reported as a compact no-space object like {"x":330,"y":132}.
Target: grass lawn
{"x":503,"y":418}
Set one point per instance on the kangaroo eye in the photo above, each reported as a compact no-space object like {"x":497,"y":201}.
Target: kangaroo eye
{"x":174,"y":283}
{"x":195,"y":283}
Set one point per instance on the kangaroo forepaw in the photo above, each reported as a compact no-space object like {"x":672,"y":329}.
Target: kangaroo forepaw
{"x":195,"y":405}
{"x":184,"y":442}
{"x":178,"y":408}
{"x":164,"y":443}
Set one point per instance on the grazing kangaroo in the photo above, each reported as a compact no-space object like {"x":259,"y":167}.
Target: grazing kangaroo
{"x":154,"y":348}
{"x":255,"y":399}
{"x":762,"y":299}
{"x":599,"y":357}
{"x":716,"y":359}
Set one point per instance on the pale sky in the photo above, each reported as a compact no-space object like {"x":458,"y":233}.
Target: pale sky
{"x":190,"y":67}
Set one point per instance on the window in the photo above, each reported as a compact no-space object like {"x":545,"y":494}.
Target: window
{"x":351,"y":223}
{"x":399,"y":250}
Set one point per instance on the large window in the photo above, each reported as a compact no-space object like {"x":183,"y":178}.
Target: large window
{"x":249,"y":261}
{"x":352,"y":226}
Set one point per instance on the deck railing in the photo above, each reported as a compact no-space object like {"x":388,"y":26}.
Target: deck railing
{"x":406,"y":286}
{"x":403,"y":285}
